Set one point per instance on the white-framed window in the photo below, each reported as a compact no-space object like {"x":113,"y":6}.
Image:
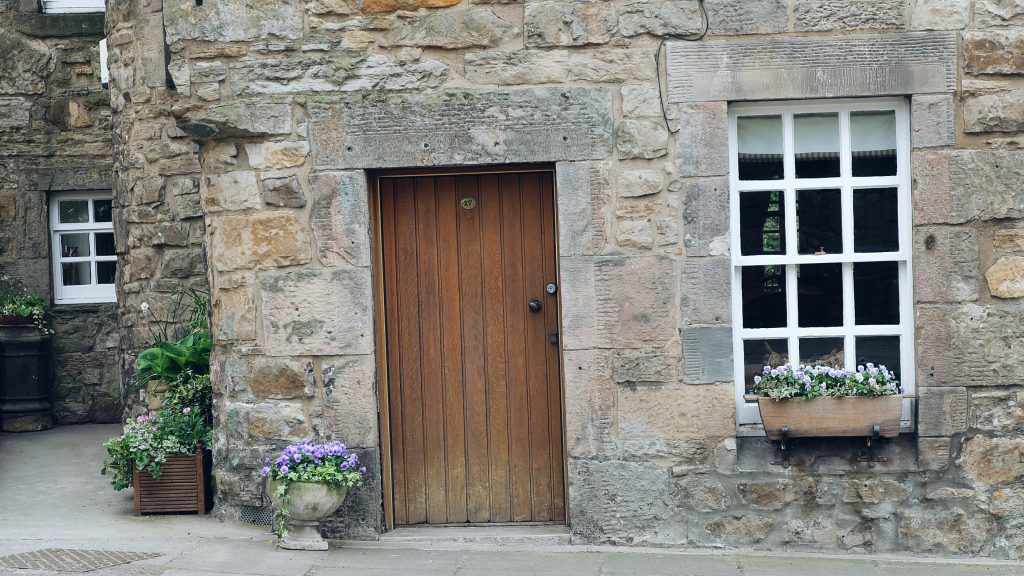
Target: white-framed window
{"x":66,"y":6}
{"x":821,"y":239}
{"x":84,"y":261}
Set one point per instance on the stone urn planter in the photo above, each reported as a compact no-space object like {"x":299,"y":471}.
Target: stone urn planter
{"x":25,"y":395}
{"x":307,"y":503}
{"x":156,"y":391}
{"x":831,"y":416}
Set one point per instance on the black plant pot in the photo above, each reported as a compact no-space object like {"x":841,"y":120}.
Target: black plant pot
{"x":25,"y":403}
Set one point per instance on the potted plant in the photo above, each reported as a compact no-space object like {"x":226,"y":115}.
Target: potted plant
{"x":306,"y":484}
{"x":25,"y":395}
{"x":805,"y":400}
{"x":160,"y":365}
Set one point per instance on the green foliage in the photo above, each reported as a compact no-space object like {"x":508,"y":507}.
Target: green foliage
{"x":815,"y":381}
{"x":182,"y":343}
{"x":26,"y":305}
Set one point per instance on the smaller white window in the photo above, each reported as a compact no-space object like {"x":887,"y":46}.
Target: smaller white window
{"x":84,"y":261}
{"x":66,"y":6}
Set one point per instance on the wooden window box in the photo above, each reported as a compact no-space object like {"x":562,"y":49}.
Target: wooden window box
{"x":184,"y":486}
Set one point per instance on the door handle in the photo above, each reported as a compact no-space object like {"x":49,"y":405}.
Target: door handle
{"x":535,"y":306}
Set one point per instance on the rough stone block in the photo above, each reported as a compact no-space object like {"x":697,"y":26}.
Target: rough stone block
{"x":992,"y":462}
{"x":583,"y":193}
{"x":940,"y":15}
{"x":271,"y":421}
{"x":739,"y":530}
{"x":244,"y":119}
{"x":707,"y":284}
{"x":732,"y":17}
{"x":635,"y":299}
{"x":612,"y":65}
{"x":262,"y":240}
{"x":986,"y":183}
{"x":777,"y":494}
{"x":703,"y":494}
{"x":15,"y":114}
{"x":317,"y":312}
{"x":237,"y":20}
{"x":950,"y":530}
{"x":563,"y":23}
{"x":1006,"y":277}
{"x":986,"y":343}
{"x":231,"y":191}
{"x":334,"y":7}
{"x":946,"y":264}
{"x":641,"y":139}
{"x":1008,"y":240}
{"x":706,"y":217}
{"x":933,"y":453}
{"x":640,"y":101}
{"x":262,"y":378}
{"x":707,"y":354}
{"x":993,"y":52}
{"x":820,"y":15}
{"x":282,"y":189}
{"x":599,"y":492}
{"x":590,"y":406}
{"x":377,"y":6}
{"x":998,"y":411}
{"x":341,"y":218}
{"x":659,"y":18}
{"x":645,"y":368}
{"x":451,"y":29}
{"x":635,"y":183}
{"x":1002,"y":112}
{"x":638,"y":234}
{"x":276,"y":155}
{"x":998,"y":13}
{"x":684,"y":415}
{"x":461,"y":127}
{"x":941,"y":411}
{"x":350,"y":399}
{"x":234,"y":314}
{"x":702,"y":142}
{"x":932,"y":120}
{"x":813,"y":66}
{"x":1008,"y":503}
{"x":25,"y":65}
{"x":579,"y":314}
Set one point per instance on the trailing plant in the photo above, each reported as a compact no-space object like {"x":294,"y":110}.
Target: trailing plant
{"x":16,"y":300}
{"x":329,"y":463}
{"x":816,"y":381}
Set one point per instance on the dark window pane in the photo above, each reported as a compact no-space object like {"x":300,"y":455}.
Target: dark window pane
{"x":819,"y":221}
{"x":876,"y":220}
{"x":764,"y":296}
{"x":817,"y":145}
{"x":873,"y":142}
{"x":101,"y":210}
{"x":876,"y":292}
{"x":762,"y":223}
{"x":880,"y":351}
{"x":760,"y":353}
{"x":820,"y":295}
{"x":759,"y":145}
{"x":822,"y":352}
{"x":76,"y":273}
{"x":104,"y":244}
{"x":105,"y":272}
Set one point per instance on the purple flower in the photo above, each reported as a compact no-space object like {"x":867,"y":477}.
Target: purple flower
{"x":264,"y":471}
{"x":767,"y":369}
{"x":757,"y":379}
{"x":362,"y":469}
{"x":774,"y":372}
{"x":859,"y":377}
{"x":807,"y":386}
{"x":860,"y":368}
{"x":872,"y":381}
{"x":284,"y":469}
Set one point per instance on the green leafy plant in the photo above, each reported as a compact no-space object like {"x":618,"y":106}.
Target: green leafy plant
{"x":182,"y":343}
{"x":15,"y":300}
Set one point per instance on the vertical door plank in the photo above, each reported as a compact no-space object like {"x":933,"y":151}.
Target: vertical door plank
{"x":394,"y":365}
{"x":494,"y":338}
{"x":430,"y":351}
{"x":537,"y":343}
{"x":516,"y":317}
{"x":451,"y":348}
{"x":409,"y":343}
{"x":474,"y":377}
{"x":554,"y":378}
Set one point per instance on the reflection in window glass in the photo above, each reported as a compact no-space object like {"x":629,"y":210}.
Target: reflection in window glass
{"x":876,"y":293}
{"x":74,"y":245}
{"x":880,"y":351}
{"x":101,"y":210}
{"x":759,"y":144}
{"x":876,"y":220}
{"x":820,"y":295}
{"x":760,"y":353}
{"x":822,"y":351}
{"x":819,"y":221}
{"x":762,"y":223}
{"x":817,"y":145}
{"x":74,"y":211}
{"x":764,"y":296}
{"x":105,"y":272}
{"x":873,"y":142}
{"x":76,"y":273}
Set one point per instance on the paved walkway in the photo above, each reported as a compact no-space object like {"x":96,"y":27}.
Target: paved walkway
{"x":52,"y":496}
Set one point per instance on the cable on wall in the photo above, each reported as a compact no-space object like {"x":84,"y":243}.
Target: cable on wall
{"x":705,"y":24}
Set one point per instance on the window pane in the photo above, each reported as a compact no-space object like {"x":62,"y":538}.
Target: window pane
{"x":822,"y":351}
{"x":73,"y":211}
{"x":104,"y":244}
{"x":876,"y":292}
{"x":105,"y":272}
{"x":819,"y":221}
{"x":762,"y":223}
{"x":873,"y":142}
{"x":764,"y":296}
{"x":76,"y":273}
{"x":73,"y":245}
{"x":760,"y":353}
{"x":816,"y":137}
{"x":759,"y":144}
{"x":880,"y":351}
{"x":876,"y":220}
{"x":820,"y":295}
{"x":101,"y":210}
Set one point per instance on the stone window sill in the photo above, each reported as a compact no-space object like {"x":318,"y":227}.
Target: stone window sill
{"x":828,"y":455}
{"x":59,"y":25}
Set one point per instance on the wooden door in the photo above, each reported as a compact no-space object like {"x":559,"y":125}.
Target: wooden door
{"x":473,"y":383}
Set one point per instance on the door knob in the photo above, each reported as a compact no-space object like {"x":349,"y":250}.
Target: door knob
{"x":535,"y":306}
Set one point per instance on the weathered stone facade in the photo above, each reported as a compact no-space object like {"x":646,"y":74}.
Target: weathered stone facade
{"x":250,"y":137}
{"x":55,"y":137}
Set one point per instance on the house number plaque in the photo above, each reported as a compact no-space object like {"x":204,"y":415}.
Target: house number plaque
{"x":468,"y":203}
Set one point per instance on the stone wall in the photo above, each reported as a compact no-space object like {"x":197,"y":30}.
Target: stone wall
{"x":289,"y":104}
{"x":55,"y":136}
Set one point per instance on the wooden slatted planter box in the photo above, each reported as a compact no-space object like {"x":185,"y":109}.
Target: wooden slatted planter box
{"x":183,"y":486}
{"x":842,"y":416}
